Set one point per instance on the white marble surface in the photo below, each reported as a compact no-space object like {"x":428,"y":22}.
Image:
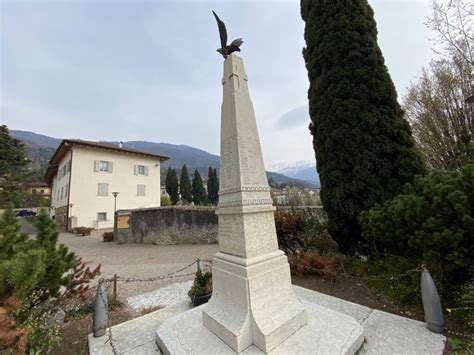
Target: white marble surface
{"x":385,"y":333}
{"x":327,"y":332}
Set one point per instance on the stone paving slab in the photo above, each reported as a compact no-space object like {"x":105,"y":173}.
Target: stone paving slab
{"x":385,"y":333}
{"x":327,"y":332}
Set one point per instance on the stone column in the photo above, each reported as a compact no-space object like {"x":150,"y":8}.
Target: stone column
{"x":252,"y":301}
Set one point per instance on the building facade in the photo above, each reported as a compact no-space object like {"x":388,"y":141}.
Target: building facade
{"x":84,"y":175}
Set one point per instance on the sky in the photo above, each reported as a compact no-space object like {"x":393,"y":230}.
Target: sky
{"x":148,"y":70}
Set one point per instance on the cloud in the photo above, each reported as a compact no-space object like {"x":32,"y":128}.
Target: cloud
{"x":294,"y":118}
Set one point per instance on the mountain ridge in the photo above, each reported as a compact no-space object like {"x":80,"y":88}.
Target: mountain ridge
{"x":40,"y":146}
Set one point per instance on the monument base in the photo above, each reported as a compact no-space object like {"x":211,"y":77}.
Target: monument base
{"x":327,"y":332}
{"x":252,"y":301}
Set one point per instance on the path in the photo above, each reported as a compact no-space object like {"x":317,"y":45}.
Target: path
{"x":136,"y":260}
{"x":26,"y":226}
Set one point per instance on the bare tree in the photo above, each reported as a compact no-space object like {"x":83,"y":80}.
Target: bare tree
{"x":437,"y":105}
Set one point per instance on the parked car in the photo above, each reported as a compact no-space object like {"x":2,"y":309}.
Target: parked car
{"x":25,"y":213}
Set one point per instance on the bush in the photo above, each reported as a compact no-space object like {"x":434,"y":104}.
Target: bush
{"x":202,"y":285}
{"x":302,"y":229}
{"x":165,"y":201}
{"x":431,"y":222}
{"x":108,"y":237}
{"x":312,"y":263}
{"x":32,"y":271}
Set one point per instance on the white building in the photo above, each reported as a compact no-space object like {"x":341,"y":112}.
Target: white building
{"x":83,"y":176}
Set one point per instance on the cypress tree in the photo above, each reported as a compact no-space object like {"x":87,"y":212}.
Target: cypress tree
{"x":364,"y":149}
{"x":212,"y":187}
{"x":172,"y":185}
{"x":185,"y":185}
{"x":199,"y":193}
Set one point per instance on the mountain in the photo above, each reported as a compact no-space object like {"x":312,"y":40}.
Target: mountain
{"x":302,"y":171}
{"x":40,"y":148}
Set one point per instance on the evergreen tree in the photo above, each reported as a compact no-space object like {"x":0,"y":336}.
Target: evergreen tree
{"x":199,"y":193}
{"x":172,"y":185}
{"x":212,"y":187}
{"x":185,"y":185}
{"x":364,"y":149}
{"x":13,"y":169}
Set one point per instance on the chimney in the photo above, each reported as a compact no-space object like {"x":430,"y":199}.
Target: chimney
{"x":120,"y":144}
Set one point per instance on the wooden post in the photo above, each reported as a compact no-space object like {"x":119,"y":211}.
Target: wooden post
{"x":114,"y":294}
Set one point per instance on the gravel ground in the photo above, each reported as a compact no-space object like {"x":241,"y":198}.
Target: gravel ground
{"x":136,"y":260}
{"x":163,"y":297}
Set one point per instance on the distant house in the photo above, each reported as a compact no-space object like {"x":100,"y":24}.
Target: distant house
{"x":39,"y":189}
{"x":84,"y":175}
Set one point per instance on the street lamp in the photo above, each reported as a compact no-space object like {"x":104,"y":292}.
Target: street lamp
{"x":115,"y":194}
{"x":115,"y":202}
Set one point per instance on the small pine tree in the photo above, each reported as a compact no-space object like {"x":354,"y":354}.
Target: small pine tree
{"x":58,"y":257}
{"x":172,"y":185}
{"x":364,"y":149}
{"x":212,"y":187}
{"x":199,"y":193}
{"x":10,"y":239}
{"x":13,"y":169}
{"x":185,"y":185}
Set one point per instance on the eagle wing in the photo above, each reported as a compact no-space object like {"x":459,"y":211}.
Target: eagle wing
{"x":222,"y":30}
{"x":235,"y":45}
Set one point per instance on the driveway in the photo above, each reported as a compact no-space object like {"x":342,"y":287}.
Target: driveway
{"x":136,"y":260}
{"x":132,"y":260}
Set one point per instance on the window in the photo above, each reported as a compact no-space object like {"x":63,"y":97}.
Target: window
{"x":66,"y":191}
{"x":42,"y":191}
{"x":34,"y":191}
{"x":103,"y":189}
{"x":57,"y":196}
{"x":140,"y":190}
{"x":103,"y":166}
{"x":102,"y":216}
{"x":62,"y":191}
{"x":140,"y":170}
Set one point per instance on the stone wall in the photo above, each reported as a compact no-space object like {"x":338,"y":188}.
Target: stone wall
{"x":178,"y":224}
{"x":169,"y":226}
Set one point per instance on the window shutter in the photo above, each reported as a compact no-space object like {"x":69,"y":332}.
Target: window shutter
{"x":96,"y":165}
{"x":146,"y":170}
{"x":110,"y":167}
{"x":135,"y":170}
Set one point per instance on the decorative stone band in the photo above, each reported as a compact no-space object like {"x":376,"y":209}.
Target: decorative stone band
{"x":263,"y":201}
{"x":243,"y":188}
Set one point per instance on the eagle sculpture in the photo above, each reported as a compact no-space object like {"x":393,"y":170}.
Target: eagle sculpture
{"x":225,"y":49}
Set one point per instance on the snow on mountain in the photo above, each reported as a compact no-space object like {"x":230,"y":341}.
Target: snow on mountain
{"x":303,"y":170}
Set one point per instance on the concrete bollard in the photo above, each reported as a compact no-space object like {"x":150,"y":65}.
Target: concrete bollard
{"x":100,"y":316}
{"x":431,"y":303}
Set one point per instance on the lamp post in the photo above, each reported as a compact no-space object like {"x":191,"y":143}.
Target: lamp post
{"x":115,"y":202}
{"x":115,"y":194}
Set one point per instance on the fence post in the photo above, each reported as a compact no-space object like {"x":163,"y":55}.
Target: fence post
{"x":431,"y":303}
{"x":114,"y":292}
{"x":100,"y":314}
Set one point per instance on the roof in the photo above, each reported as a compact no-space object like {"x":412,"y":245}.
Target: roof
{"x":67,"y":144}
{"x":37,"y":184}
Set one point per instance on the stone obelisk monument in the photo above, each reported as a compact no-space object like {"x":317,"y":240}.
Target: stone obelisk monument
{"x":253,"y":306}
{"x":252,"y":300}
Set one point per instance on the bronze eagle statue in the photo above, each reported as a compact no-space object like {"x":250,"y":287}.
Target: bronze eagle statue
{"x":225,"y":49}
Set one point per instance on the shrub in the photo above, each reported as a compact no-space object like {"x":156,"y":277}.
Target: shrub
{"x":108,"y":237}
{"x":312,"y":263}
{"x":202,"y":285}
{"x":35,"y":276}
{"x":431,"y":222}
{"x":165,"y":201}
{"x":302,"y":229}
{"x":464,"y":309}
